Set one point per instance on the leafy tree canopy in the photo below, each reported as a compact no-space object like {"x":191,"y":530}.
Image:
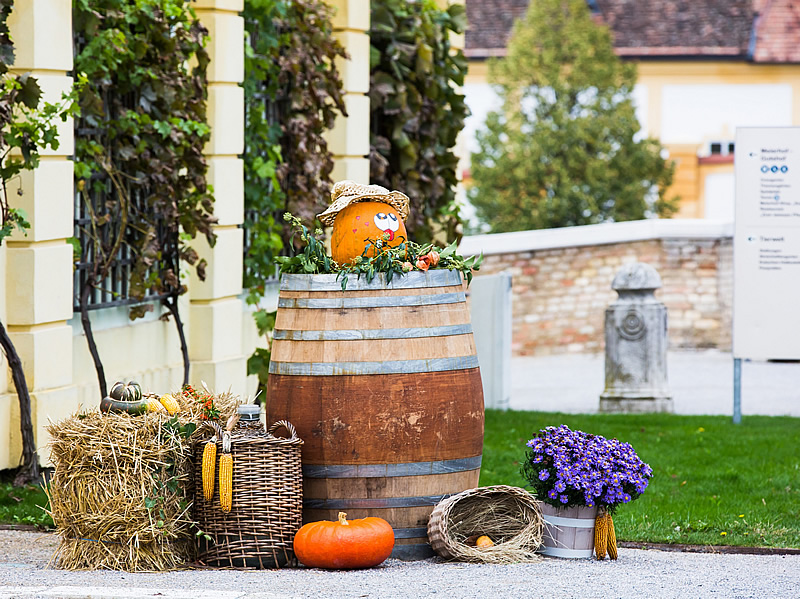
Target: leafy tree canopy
{"x":565,"y":148}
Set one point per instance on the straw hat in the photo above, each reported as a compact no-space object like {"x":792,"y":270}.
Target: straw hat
{"x":345,"y":193}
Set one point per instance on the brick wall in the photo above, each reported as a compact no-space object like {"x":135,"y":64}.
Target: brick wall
{"x":561,"y":280}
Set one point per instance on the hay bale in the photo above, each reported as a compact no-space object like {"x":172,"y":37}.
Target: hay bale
{"x":120,"y":494}
{"x":510,"y":516}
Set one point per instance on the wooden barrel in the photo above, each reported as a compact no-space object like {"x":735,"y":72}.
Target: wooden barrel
{"x":568,"y":532}
{"x":383,"y":385}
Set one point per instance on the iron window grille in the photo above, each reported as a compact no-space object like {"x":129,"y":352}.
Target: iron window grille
{"x":273,"y":110}
{"x":114,"y":289}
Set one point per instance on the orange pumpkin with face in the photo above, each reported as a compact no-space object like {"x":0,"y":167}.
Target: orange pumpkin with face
{"x":361,"y":221}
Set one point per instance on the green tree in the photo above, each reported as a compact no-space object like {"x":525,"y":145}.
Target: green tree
{"x":565,"y":148}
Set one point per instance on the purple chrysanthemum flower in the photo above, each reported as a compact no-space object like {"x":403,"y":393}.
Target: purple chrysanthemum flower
{"x":602,"y":471}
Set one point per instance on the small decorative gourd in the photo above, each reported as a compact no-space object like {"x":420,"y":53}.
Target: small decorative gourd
{"x":124,"y":397}
{"x":344,"y":544}
{"x":170,"y":404}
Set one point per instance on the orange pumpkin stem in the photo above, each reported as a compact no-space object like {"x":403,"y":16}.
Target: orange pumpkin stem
{"x":343,"y":519}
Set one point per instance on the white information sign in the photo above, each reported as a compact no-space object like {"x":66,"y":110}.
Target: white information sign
{"x":766,"y":244}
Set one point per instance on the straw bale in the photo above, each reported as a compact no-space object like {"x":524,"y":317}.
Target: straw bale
{"x":120,"y":494}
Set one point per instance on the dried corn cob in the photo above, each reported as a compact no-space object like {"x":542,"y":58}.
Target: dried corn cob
{"x":153,"y":405}
{"x":600,"y":536}
{"x":612,"y":537}
{"x":209,"y":465}
{"x":169,"y":404}
{"x":226,"y":474}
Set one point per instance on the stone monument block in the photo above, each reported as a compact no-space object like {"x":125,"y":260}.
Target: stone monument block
{"x":636,"y":345}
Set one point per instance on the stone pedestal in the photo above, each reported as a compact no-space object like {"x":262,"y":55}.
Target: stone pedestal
{"x":636,"y":345}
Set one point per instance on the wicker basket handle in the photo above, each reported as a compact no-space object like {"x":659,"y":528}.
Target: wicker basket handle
{"x":285,"y":424}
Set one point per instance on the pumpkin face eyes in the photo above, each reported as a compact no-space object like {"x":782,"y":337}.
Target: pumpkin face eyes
{"x":386,"y":222}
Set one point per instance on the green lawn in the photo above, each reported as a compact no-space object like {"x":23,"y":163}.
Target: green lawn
{"x":713,"y":482}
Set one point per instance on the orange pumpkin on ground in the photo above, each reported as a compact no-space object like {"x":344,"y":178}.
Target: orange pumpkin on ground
{"x":483,"y":542}
{"x":361,"y":221}
{"x":344,"y":545}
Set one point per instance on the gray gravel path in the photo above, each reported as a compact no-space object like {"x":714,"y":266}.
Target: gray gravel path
{"x":637,"y":574}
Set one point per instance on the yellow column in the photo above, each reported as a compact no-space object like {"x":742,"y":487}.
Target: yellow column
{"x":349,"y":138}
{"x":38,"y":273}
{"x":216,"y":310}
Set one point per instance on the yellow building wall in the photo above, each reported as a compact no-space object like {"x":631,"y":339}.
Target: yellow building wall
{"x":654,"y":76}
{"x":36,"y":271}
{"x":38,"y":266}
{"x":686,"y":182}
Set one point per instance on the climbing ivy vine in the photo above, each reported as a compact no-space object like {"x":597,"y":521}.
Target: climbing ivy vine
{"x":416,"y":110}
{"x":292,"y":96}
{"x":139,"y":166}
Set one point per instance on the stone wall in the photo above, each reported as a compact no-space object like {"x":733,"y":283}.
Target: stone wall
{"x":561,"y":280}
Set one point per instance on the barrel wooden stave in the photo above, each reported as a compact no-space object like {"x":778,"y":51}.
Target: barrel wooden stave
{"x":389,"y":418}
{"x":367,"y":350}
{"x":372,"y":318}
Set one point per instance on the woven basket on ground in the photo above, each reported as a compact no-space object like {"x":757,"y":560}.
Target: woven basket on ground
{"x":267,"y":500}
{"x":509,"y":516}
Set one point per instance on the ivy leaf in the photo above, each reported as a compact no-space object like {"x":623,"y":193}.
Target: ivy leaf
{"x":29,"y":91}
{"x":265,"y":321}
{"x":448,"y":251}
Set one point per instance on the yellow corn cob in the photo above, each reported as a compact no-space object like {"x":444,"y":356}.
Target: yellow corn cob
{"x":170,"y":404}
{"x":612,"y":537}
{"x":226,"y":474}
{"x":209,"y":465}
{"x":153,"y":405}
{"x":600,"y":536}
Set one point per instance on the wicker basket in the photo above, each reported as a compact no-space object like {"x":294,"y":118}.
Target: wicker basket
{"x":267,"y":500}
{"x":510,"y":516}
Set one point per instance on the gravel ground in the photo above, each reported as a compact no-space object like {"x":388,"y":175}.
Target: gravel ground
{"x":638,"y":573}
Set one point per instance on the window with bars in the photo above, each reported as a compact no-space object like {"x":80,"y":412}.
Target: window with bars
{"x":272,"y":111}
{"x":98,"y":219}
{"x":114,"y":289}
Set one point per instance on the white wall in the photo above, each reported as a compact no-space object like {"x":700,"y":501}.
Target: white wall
{"x":720,"y":189}
{"x":698,"y":113}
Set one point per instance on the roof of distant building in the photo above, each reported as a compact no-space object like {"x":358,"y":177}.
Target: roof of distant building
{"x":754,"y":30}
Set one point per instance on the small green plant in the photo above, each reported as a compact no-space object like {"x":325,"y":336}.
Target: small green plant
{"x":313,"y":259}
